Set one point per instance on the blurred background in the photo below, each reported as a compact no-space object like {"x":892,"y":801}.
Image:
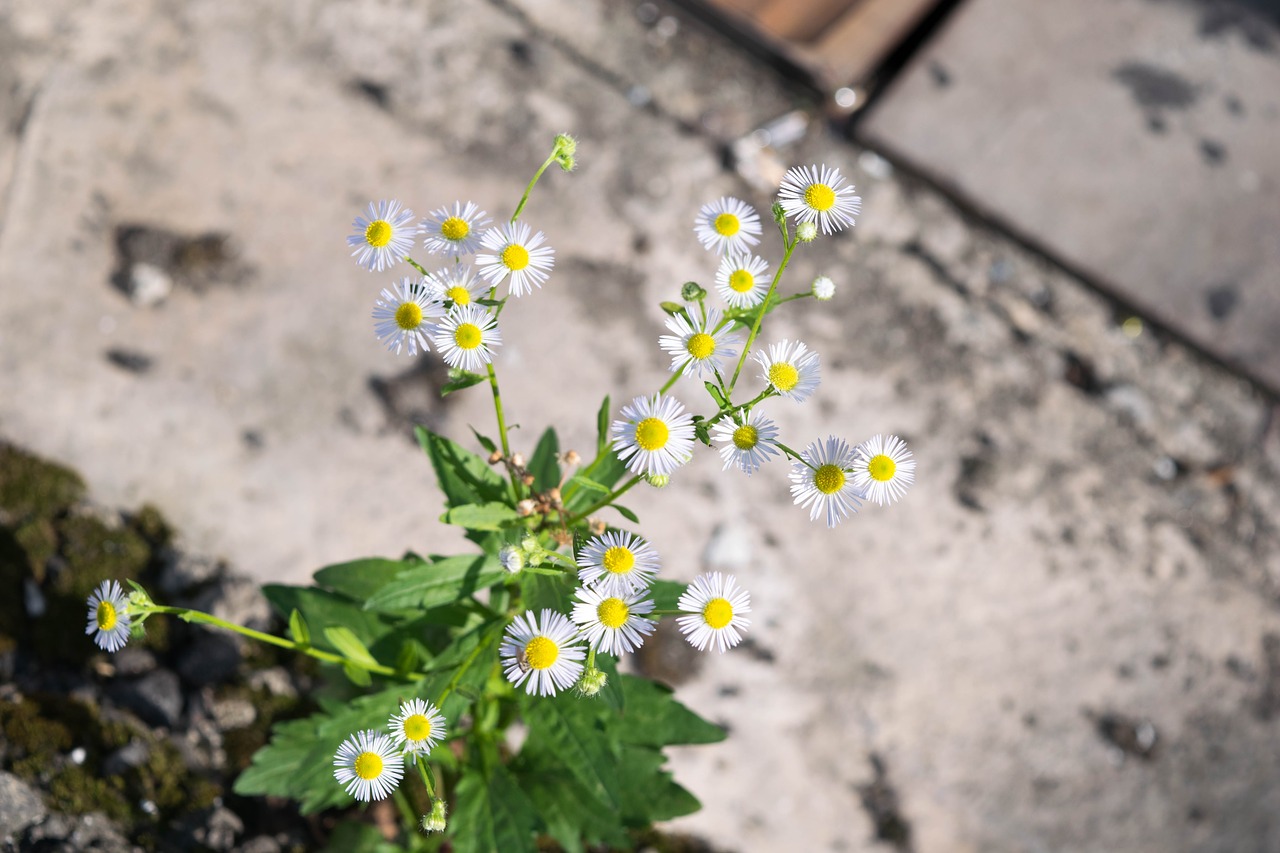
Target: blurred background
{"x":1063,"y":292}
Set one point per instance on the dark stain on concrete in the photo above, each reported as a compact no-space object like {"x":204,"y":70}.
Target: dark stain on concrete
{"x":412,"y":398}
{"x":1222,"y":300}
{"x":1234,"y":105}
{"x":1268,"y":702}
{"x":1157,"y":125}
{"x":1155,"y":88}
{"x":1256,"y":22}
{"x":1131,"y":735}
{"x":375,"y":92}
{"x":883,"y":805}
{"x":130,"y":361}
{"x":1213,"y":153}
{"x":198,"y":262}
{"x":940,"y":76}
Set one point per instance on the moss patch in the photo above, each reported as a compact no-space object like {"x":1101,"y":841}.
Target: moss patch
{"x":31,"y":487}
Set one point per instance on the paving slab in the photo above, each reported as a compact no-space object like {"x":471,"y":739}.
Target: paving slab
{"x":1065,"y":638}
{"x":1137,"y":141}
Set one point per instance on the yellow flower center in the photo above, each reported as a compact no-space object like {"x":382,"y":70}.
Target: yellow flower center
{"x":467,"y":336}
{"x":701,"y":345}
{"x":541,"y":652}
{"x":107,"y":616}
{"x":409,"y":316}
{"x":618,"y":560}
{"x":717,"y":613}
{"x":745,"y":437}
{"x":454,"y":228}
{"x":783,"y":376}
{"x":829,"y":479}
{"x":378,"y":234}
{"x":417,"y":727}
{"x":651,"y":434}
{"x":515,"y":257}
{"x":881,"y":468}
{"x":613,"y":612}
{"x":740,"y":281}
{"x":458,"y":295}
{"x":819,"y":196}
{"x":368,"y":765}
{"x":727,"y":225}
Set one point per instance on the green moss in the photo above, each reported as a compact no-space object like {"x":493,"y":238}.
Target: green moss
{"x":152,"y":526}
{"x":39,"y":542}
{"x":31,"y":487}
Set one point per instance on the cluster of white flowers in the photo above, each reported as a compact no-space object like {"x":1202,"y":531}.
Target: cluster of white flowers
{"x":612,"y":614}
{"x":370,"y":763}
{"x":448,"y":309}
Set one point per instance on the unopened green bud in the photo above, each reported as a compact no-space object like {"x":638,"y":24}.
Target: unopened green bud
{"x":434,"y":822}
{"x":566,"y":147}
{"x":592,"y":681}
{"x":658,"y":481}
{"x":691,"y":291}
{"x":566,"y":162}
{"x":807,"y":232}
{"x":779,"y":214}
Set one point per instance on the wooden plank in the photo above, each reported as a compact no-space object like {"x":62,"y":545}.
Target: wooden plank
{"x":855,"y":45}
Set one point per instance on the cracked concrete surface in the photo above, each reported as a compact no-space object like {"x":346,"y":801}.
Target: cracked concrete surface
{"x":1063,"y":639}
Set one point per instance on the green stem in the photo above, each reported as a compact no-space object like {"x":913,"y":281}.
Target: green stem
{"x":502,"y":427}
{"x":755,"y":328}
{"x":417,"y":266}
{"x":672,"y":381}
{"x":466,"y":664}
{"x":524,"y":198}
{"x":426,"y":774}
{"x":794,"y":455}
{"x":604,"y":501}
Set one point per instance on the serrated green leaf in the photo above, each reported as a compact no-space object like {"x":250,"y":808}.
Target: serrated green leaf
{"x":459,"y":379}
{"x":490,"y":516}
{"x":433,"y":584}
{"x":572,"y":816}
{"x":572,"y":729}
{"x":653,"y":718}
{"x":493,"y":814}
{"x":298,"y":629}
{"x":360,"y":579}
{"x":648,"y":791}
{"x":464,"y":477}
{"x":544,"y":465}
{"x":627,"y":514}
{"x":612,"y":694}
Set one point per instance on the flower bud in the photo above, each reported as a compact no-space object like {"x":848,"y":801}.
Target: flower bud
{"x":495,"y":457}
{"x":434,"y":822}
{"x":572,"y":458}
{"x":511,"y":558}
{"x":691,"y":291}
{"x":592,"y":681}
{"x":566,"y":145}
{"x":823,"y":288}
{"x":658,"y":481}
{"x":517,"y":459}
{"x":807,"y":232}
{"x":779,"y":213}
{"x":525,"y":507}
{"x":527,"y":479}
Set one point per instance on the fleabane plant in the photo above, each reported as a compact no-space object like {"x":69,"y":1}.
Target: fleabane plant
{"x":434,"y":658}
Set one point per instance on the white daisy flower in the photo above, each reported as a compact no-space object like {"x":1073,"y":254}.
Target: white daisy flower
{"x":617,"y":563}
{"x":109,"y":620}
{"x":743,"y":279}
{"x":826,"y":482}
{"x":466,"y":337}
{"x":455,"y":232}
{"x":698,"y":348}
{"x":716,"y":605}
{"x":884,"y":469}
{"x":457,"y":285}
{"x":548,"y":655}
{"x":368,"y":765}
{"x":811,"y":194}
{"x":791,"y":368}
{"x":749,"y":444}
{"x":417,"y":728}
{"x":511,"y":251}
{"x":823,"y":288}
{"x":613,"y":624}
{"x":401,"y":313}
{"x":655,"y":435}
{"x":727,"y":225}
{"x":384,"y":235}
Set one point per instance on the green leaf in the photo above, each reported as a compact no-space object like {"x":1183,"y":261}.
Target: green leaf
{"x":489,"y":516}
{"x":605,"y":472}
{"x":584,"y":483}
{"x":485,"y":441}
{"x":649,"y":792}
{"x":320,"y":608}
{"x":627,"y":514}
{"x":703,"y":433}
{"x":432,"y":584}
{"x":360,"y":579}
{"x":602,"y":428}
{"x":569,"y":811}
{"x":298,"y":629}
{"x":612,"y":694}
{"x":573,"y":730}
{"x":493,"y":814}
{"x":653,"y":718}
{"x":716,"y":394}
{"x":353,"y":837}
{"x":357,"y":676}
{"x":666,"y":593}
{"x":544,"y":465}
{"x":459,"y":379}
{"x":464,"y":477}
{"x":348,"y":644}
